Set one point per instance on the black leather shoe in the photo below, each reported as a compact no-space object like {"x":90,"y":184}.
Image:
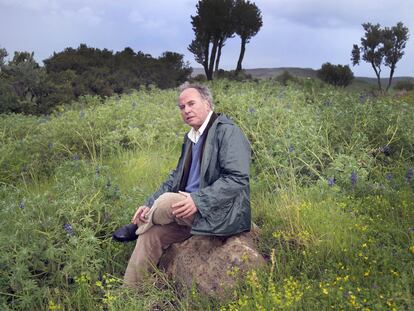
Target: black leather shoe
{"x":125,"y":233}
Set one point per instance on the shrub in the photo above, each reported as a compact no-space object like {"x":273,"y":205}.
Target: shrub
{"x":285,"y":77}
{"x":337,"y":75}
{"x":404,"y":85}
{"x":233,"y":75}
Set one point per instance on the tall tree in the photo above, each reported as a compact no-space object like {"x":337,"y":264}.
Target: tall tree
{"x":3,"y":55}
{"x":247,"y":20}
{"x":200,"y":46}
{"x":395,"y":39}
{"x":227,"y":28}
{"x":371,"y":48}
{"x":381,"y":46}
{"x":211,"y":27}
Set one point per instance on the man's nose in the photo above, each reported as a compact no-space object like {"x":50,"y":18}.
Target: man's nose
{"x":187,"y":109}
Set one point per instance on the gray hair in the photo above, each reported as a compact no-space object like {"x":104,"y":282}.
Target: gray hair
{"x":203,"y":90}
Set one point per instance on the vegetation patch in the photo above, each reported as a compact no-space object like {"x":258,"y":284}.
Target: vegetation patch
{"x":332,"y":194}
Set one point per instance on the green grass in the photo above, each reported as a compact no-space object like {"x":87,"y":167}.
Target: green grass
{"x":68,"y":180}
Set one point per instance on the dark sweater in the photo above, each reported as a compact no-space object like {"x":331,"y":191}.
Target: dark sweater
{"x":193,"y":182}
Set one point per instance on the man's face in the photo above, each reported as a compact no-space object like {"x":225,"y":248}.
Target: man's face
{"x":194,"y":109}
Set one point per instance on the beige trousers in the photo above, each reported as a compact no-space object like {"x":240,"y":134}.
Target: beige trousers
{"x":161,"y":230}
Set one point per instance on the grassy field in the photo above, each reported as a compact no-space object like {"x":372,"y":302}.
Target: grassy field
{"x":332,"y":192}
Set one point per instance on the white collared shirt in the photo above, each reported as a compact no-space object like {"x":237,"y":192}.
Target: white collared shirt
{"x":194,"y":135}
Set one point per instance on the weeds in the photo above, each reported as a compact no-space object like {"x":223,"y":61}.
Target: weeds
{"x":332,"y":191}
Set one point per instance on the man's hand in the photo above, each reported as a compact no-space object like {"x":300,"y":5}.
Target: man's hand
{"x":184,"y":208}
{"x":140,"y":215}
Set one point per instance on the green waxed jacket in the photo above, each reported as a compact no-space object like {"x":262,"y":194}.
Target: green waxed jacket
{"x":223,"y":201}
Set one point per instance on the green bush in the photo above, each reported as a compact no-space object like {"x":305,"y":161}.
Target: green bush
{"x":285,"y":78}
{"x":337,"y":75}
{"x":406,"y":85}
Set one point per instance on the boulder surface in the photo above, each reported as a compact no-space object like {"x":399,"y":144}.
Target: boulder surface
{"x":214,"y":264}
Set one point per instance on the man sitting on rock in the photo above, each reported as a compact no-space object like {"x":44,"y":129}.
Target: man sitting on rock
{"x":207,"y":193}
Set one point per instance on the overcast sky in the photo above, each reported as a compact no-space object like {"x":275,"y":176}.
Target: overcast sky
{"x":295,"y":33}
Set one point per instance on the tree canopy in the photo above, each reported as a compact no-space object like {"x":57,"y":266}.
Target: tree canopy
{"x":214,"y":23}
{"x":337,"y":75}
{"x":27,"y":87}
{"x":381,"y":46}
{"x":247,"y":21}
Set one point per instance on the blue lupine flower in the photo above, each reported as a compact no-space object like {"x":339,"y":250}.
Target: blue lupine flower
{"x":354,"y":178}
{"x":362,"y":98}
{"x":251,"y":110}
{"x":291,"y":148}
{"x":21,"y":205}
{"x":328,"y":102}
{"x":117,"y":190}
{"x":108,"y":184}
{"x":98,"y":171}
{"x":68,"y":229}
{"x":50,"y":145}
{"x":386,"y":150}
{"x":388,"y":176}
{"x":75,"y":157}
{"x":409,"y":174}
{"x":331,"y":181}
{"x":81,"y":114}
{"x":25,"y":169}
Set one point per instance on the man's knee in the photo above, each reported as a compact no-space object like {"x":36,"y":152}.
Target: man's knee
{"x":170,"y":197}
{"x":163,"y":209}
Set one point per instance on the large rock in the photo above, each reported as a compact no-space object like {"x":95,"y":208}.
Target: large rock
{"x":214,"y":264}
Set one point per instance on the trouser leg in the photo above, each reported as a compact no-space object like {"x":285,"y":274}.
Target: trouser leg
{"x":161,"y":213}
{"x":149,"y":248}
{"x":161,"y":230}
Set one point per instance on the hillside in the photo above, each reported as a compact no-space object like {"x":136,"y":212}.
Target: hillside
{"x":264,"y":73}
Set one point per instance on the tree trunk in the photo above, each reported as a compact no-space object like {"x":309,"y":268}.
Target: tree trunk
{"x":378,"y":74}
{"x":207,"y":72}
{"x":242,"y":50}
{"x":212,"y":58}
{"x":220,"y":45}
{"x":205,"y":62}
{"x":391,"y":75}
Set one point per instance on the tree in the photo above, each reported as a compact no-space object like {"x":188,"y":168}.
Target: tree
{"x":337,"y":75}
{"x":227,"y":29}
{"x":247,"y":20}
{"x":381,"y":46}
{"x":371,"y":48}
{"x":211,"y":26}
{"x":3,"y":55}
{"x":200,"y":46}
{"x":22,"y":80}
{"x":173,"y":69}
{"x":395,"y":39}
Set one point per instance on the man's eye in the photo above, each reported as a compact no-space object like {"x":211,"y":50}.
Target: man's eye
{"x":181,"y":107}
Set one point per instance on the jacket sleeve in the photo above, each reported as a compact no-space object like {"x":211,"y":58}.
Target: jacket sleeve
{"x":234,"y":161}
